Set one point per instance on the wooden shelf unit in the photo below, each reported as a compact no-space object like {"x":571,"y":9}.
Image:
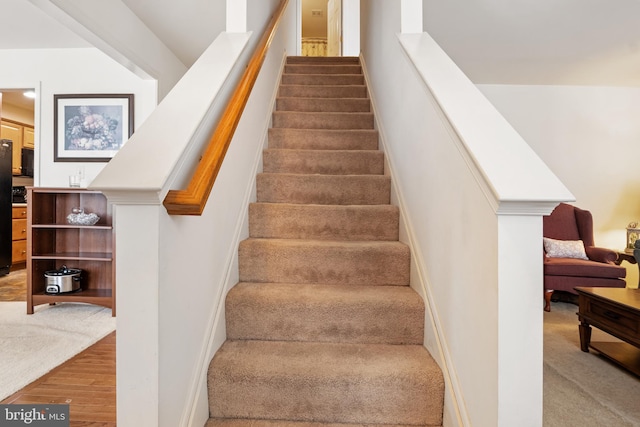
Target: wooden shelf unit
{"x":52,"y":243}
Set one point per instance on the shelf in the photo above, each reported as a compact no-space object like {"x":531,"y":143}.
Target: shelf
{"x":93,"y":296}
{"x":65,"y":190}
{"x":79,"y":256}
{"x":52,"y":243}
{"x":622,"y":353}
{"x":72,"y":227}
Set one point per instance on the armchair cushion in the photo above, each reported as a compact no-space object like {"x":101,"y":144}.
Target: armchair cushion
{"x":582,"y":268}
{"x":564,"y":248}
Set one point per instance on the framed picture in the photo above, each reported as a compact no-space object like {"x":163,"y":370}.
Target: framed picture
{"x":90,"y":128}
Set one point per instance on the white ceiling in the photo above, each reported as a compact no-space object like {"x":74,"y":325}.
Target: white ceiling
{"x":590,"y":42}
{"x":16,"y":97}
{"x":187,"y":27}
{"x":575,"y":42}
{"x":25,"y":26}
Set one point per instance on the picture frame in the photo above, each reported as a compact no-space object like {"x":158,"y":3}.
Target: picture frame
{"x":90,"y":127}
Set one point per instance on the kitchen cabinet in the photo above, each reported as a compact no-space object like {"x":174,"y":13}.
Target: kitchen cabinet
{"x":52,"y":243}
{"x":22,"y":135}
{"x":19,"y":234}
{"x":28,"y":137}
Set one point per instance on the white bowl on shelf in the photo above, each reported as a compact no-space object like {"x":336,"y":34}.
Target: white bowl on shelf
{"x":79,"y":217}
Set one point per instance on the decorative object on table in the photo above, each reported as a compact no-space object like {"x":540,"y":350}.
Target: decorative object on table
{"x":91,"y":128}
{"x":79,"y":217}
{"x":633,"y":232}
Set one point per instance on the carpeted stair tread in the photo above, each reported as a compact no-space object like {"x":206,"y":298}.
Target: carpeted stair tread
{"x":323,"y":189}
{"x":323,"y":79}
{"x":328,"y":162}
{"x":317,"y":68}
{"x":326,"y":382}
{"x":323,"y":60}
{"x":321,"y":313}
{"x":323,"y":222}
{"x":327,"y":262}
{"x":323,"y":139}
{"x":323,"y":104}
{"x":322,"y":120}
{"x":323,"y":91}
{"x":220,"y":422}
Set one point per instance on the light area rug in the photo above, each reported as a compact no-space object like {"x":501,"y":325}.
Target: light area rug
{"x":583,"y":389}
{"x":32,"y":345}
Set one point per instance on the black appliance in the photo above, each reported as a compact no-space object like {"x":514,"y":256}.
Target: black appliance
{"x":19,"y":194}
{"x":27,"y":162}
{"x":6,"y":199}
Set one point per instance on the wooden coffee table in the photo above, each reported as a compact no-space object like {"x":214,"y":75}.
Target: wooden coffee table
{"x":615,"y":311}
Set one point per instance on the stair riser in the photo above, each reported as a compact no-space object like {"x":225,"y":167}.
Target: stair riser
{"x":290,"y":119}
{"x":323,"y":91}
{"x":319,"y":313}
{"x":323,"y":60}
{"x":347,"y":105}
{"x":284,"y":261}
{"x":323,"y":139}
{"x":323,"y":190}
{"x":346,"y":223}
{"x":322,"y":79}
{"x":327,"y":162}
{"x":322,"y":69}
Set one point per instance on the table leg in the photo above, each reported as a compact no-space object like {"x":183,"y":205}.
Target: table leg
{"x":585,"y":336}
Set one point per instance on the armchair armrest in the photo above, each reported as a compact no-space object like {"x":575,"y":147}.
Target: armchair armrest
{"x":601,"y":254}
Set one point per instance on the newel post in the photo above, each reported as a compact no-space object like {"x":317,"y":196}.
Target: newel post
{"x":520,"y":313}
{"x":137,"y":299}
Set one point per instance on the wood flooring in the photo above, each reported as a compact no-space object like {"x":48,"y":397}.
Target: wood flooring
{"x":87,"y":382}
{"x":13,"y":286}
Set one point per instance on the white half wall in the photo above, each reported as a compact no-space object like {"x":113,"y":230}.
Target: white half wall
{"x":69,"y":71}
{"x":588,"y":136}
{"x":472,"y":218}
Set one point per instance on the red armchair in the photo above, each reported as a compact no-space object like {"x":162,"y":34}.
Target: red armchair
{"x":569,"y":223}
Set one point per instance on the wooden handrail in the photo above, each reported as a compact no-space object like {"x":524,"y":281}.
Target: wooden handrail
{"x":193,"y":199}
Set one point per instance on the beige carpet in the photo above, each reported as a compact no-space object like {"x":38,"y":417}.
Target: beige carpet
{"x":323,"y":328}
{"x":32,"y":345}
{"x":583,"y":389}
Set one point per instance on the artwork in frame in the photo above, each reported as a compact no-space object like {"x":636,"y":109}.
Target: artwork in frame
{"x":91,"y":128}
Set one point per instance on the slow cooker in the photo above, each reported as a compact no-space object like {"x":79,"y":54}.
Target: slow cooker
{"x":63,"y":280}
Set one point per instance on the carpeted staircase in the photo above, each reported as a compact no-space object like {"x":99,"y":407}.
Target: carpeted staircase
{"x":323,"y":329}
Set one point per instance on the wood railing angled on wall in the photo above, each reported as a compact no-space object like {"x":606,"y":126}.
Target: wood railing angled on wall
{"x":192,"y":200}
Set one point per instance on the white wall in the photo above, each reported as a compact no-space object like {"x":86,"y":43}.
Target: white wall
{"x":588,"y":136}
{"x":174,"y":271}
{"x":472,"y":218}
{"x":314,"y":26}
{"x":69,"y":71}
